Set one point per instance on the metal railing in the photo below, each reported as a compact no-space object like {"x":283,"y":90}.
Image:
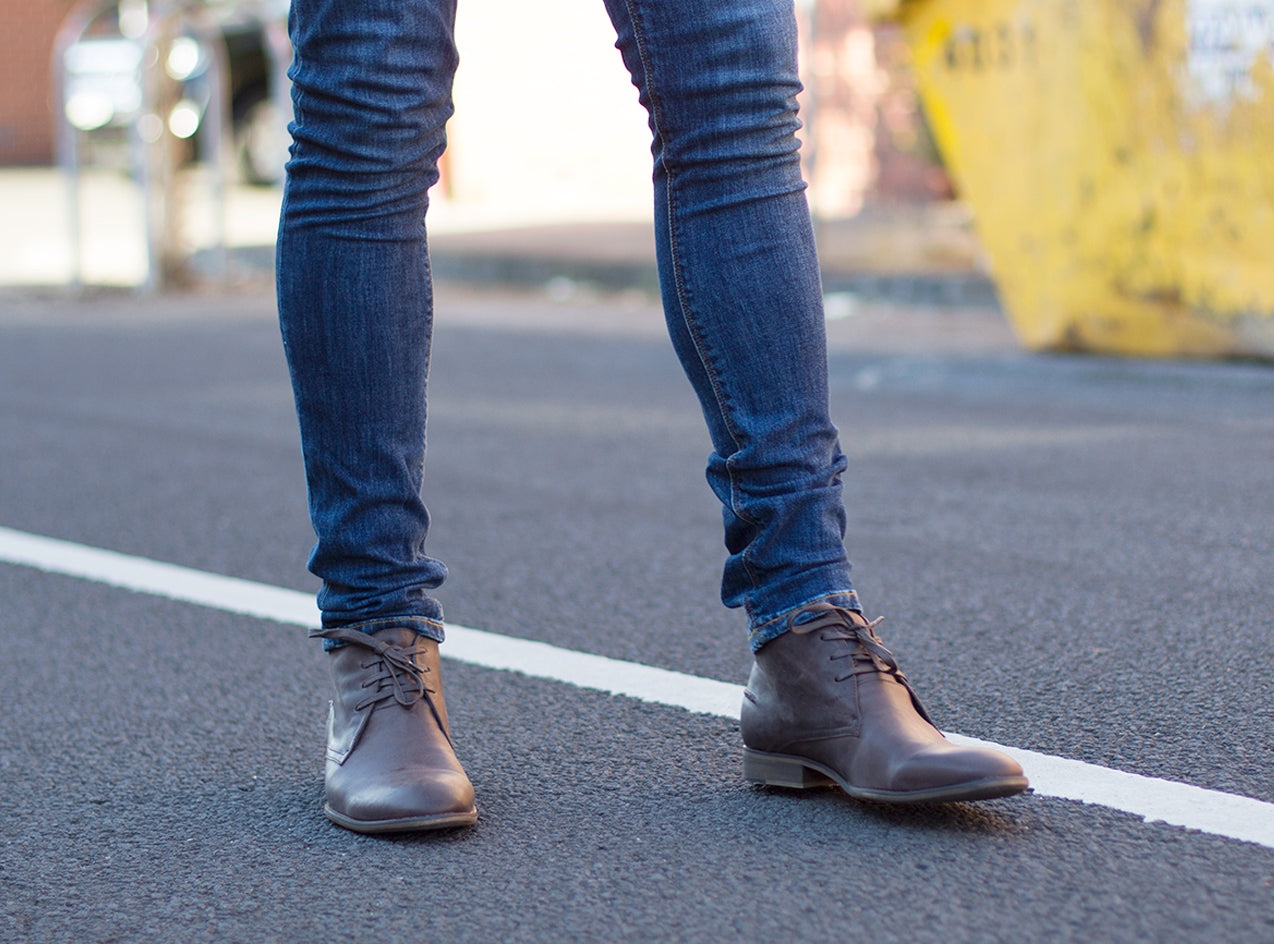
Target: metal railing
{"x":151,"y":57}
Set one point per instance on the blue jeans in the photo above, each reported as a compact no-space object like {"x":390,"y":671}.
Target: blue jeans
{"x":737,"y":265}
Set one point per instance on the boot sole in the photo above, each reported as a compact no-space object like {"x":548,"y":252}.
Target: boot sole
{"x":799,"y":773}
{"x":407,"y":824}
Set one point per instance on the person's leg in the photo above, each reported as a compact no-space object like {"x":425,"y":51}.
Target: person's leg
{"x":740,"y":283}
{"x":371,"y":94}
{"x":741,"y":289}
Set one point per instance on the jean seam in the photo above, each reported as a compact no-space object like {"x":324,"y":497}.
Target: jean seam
{"x":683,"y":292}
{"x":683,"y":295}
{"x":710,"y":371}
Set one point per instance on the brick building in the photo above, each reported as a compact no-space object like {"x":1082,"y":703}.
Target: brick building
{"x":27,"y":29}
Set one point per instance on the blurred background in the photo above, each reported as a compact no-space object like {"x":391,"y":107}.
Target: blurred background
{"x":547,"y":131}
{"x":1113,"y":155}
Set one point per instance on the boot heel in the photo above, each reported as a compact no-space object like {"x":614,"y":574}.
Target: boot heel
{"x":775,"y":770}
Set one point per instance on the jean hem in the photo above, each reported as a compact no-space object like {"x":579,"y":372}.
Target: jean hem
{"x":429,"y":628}
{"x":764,"y":629}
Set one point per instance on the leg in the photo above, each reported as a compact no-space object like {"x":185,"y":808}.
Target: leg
{"x":371,"y":92}
{"x":741,"y":289}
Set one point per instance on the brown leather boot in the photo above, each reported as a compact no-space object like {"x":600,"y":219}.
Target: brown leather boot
{"x":827,"y":705}
{"x":390,"y":762}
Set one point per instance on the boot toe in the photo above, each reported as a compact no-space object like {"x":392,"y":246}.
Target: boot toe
{"x":433,"y":799}
{"x":946,"y":771}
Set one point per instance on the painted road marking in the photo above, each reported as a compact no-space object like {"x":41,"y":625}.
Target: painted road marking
{"x":1153,"y":799}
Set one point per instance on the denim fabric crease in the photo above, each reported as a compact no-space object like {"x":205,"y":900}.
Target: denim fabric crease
{"x":738,"y":275}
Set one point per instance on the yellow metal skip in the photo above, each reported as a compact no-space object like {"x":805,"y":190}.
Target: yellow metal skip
{"x":1119,"y":159}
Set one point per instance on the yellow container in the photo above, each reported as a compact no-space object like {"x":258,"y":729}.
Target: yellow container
{"x":1119,"y":159}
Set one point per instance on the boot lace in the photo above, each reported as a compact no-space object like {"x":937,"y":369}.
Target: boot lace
{"x":863,"y":647}
{"x":833,"y":622}
{"x":397,"y":675}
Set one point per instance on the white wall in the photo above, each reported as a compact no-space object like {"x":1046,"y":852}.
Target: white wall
{"x":547,"y":125}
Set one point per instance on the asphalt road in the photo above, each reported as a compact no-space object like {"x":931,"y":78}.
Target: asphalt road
{"x":1073,"y":554}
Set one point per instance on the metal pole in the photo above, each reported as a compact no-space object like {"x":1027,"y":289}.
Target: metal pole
{"x":213,"y":138}
{"x":68,"y":155}
{"x":149,"y":134}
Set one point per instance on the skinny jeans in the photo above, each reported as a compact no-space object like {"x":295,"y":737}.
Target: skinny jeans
{"x":738,"y":270}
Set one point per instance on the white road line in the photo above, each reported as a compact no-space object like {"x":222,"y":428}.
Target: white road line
{"x":1156,"y":800}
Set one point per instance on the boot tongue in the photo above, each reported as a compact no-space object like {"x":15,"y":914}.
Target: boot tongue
{"x":400,"y":637}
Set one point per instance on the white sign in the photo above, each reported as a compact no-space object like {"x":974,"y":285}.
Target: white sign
{"x":1226,"y":40}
